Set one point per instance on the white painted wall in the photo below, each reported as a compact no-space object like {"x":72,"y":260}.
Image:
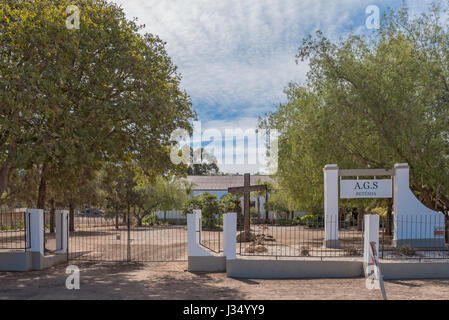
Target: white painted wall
{"x":173,"y":214}
{"x":412,"y":219}
{"x":34,"y":220}
{"x":193,"y":235}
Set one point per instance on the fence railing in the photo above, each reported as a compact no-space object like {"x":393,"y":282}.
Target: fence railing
{"x":13,"y":229}
{"x":416,"y":237}
{"x":302,"y":237}
{"x":134,"y":238}
{"x":211,"y":234}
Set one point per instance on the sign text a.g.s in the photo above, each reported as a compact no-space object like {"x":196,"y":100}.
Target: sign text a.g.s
{"x":353,"y":189}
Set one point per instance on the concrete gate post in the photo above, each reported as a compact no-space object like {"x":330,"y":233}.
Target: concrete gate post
{"x":62,"y":227}
{"x":371,"y":235}
{"x":34,"y":220}
{"x":230,"y":235}
{"x":331,"y":206}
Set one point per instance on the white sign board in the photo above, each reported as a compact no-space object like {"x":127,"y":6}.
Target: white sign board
{"x":357,"y":189}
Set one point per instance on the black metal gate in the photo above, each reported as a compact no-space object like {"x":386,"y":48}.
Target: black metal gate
{"x":156,"y":237}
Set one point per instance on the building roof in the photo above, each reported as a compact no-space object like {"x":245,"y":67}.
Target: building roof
{"x":222,"y":183}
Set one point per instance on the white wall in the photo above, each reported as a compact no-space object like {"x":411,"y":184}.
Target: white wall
{"x":412,"y":219}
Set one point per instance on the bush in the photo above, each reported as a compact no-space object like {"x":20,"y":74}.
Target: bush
{"x":352,"y":251}
{"x":211,"y":222}
{"x":305,"y":252}
{"x":311,"y":221}
{"x":151,"y":221}
{"x":405,"y":250}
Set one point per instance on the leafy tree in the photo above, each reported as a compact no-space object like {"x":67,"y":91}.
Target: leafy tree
{"x":78,"y":99}
{"x":209,"y":206}
{"x":281,"y":203}
{"x":203,"y":164}
{"x":369,"y":102}
{"x":169,"y":195}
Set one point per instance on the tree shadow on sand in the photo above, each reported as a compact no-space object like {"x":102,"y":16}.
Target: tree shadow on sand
{"x":111,"y":281}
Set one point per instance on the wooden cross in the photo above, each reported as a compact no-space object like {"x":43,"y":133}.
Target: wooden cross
{"x":246,"y":190}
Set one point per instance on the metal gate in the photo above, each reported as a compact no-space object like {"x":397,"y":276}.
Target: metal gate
{"x":156,"y":237}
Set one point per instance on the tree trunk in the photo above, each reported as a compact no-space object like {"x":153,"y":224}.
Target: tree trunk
{"x":42,"y":196}
{"x":267,"y":215}
{"x":446,"y":224}
{"x":7,"y":167}
{"x":258,"y":207}
{"x":340,"y":215}
{"x":116,"y":220}
{"x":5,"y":173}
{"x":129,"y":210}
{"x":389,"y":226}
{"x":71,"y":217}
{"x":165,"y":216}
{"x":52,"y":216}
{"x":360,"y":213}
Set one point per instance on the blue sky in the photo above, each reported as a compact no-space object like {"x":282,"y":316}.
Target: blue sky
{"x":237,"y":56}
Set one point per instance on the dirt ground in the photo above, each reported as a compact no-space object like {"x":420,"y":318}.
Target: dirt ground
{"x":172,"y":281}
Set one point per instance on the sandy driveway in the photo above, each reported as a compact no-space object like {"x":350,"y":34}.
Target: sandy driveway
{"x":171,"y":281}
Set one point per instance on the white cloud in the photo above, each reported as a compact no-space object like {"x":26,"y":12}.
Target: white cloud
{"x":237,"y":56}
{"x":235,"y":53}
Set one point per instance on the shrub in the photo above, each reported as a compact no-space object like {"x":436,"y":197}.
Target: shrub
{"x":305,"y":252}
{"x":352,"y":251}
{"x":312,"y":221}
{"x":151,"y":221}
{"x":405,"y":250}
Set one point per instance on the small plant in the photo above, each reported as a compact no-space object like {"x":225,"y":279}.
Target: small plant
{"x":261,"y":249}
{"x":311,"y":221}
{"x":405,"y":250}
{"x":151,"y":221}
{"x":261,"y":238}
{"x":305,"y":252}
{"x":252,"y":248}
{"x":352,"y":251}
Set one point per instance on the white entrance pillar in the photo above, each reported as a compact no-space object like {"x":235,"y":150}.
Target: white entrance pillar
{"x":194,"y":248}
{"x":331,"y":206}
{"x":34,"y":220}
{"x":371,"y":235}
{"x":62,"y":221}
{"x":230,"y":235}
{"x":414,"y":223}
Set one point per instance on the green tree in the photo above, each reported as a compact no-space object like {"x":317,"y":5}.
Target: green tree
{"x":369,"y":102}
{"x":204,"y":164}
{"x":74,"y":99}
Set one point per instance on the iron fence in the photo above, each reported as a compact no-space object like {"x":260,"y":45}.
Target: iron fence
{"x":303,"y":237}
{"x":13,"y":229}
{"x":416,"y":237}
{"x":211,"y":233}
{"x":121,"y":237}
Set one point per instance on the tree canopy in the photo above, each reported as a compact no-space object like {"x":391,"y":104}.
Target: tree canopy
{"x":73,"y":101}
{"x":370,"y":102}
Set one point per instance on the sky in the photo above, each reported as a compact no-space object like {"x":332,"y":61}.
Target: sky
{"x":237,"y":56}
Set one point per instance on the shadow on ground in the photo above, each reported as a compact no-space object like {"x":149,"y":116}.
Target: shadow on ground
{"x":114,"y":281}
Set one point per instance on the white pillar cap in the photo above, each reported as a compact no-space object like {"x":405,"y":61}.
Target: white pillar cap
{"x":330,"y":167}
{"x":401,"y":166}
